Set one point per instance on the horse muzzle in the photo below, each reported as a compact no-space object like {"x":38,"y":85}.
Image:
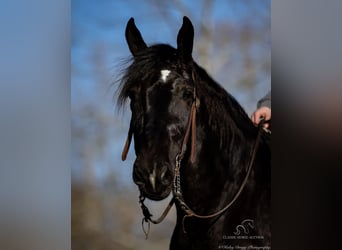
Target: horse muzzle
{"x":154,"y":183}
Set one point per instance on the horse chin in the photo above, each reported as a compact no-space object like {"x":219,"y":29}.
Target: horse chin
{"x":156,"y":196}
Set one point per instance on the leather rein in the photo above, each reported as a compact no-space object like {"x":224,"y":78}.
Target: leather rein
{"x":176,"y":187}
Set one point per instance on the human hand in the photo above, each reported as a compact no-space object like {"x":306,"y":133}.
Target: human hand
{"x":262,"y":112}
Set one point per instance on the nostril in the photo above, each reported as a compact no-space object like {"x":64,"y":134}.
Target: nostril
{"x":137,"y":176}
{"x":162,"y":175}
{"x":165,"y":176}
{"x":163,"y":171}
{"x":166,"y":182}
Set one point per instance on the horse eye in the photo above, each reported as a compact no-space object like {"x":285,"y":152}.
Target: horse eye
{"x":187,"y":94}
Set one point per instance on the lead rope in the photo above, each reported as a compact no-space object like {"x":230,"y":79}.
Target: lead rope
{"x":178,"y":193}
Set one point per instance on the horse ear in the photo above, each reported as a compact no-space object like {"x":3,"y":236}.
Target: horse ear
{"x":133,"y":37}
{"x":185,"y":39}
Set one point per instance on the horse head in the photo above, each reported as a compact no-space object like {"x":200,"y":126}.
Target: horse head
{"x":160,"y":86}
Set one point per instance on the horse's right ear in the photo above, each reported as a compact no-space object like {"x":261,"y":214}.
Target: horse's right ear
{"x":133,"y":37}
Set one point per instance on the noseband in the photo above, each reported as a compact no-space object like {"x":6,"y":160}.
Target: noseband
{"x":176,"y":188}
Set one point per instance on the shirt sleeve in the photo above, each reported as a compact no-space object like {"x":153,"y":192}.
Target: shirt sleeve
{"x":265,"y":101}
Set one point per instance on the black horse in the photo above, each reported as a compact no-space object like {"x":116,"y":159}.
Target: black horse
{"x":193,"y":139}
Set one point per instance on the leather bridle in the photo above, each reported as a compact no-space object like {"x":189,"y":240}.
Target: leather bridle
{"x":176,"y":187}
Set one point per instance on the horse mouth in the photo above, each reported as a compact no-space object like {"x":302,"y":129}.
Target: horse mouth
{"x":155,"y":195}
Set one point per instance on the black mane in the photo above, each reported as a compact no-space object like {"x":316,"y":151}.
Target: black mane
{"x":222,"y":106}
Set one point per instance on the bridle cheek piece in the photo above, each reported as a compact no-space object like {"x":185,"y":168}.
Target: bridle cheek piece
{"x":190,"y":130}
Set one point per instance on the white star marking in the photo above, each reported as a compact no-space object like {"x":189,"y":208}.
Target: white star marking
{"x":164,"y":74}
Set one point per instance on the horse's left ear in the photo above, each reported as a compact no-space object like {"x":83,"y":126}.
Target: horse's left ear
{"x":185,"y":39}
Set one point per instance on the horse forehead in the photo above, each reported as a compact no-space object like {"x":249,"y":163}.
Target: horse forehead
{"x":164,"y":74}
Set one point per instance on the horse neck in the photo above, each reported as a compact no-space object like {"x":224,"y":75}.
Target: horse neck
{"x":217,"y":172}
